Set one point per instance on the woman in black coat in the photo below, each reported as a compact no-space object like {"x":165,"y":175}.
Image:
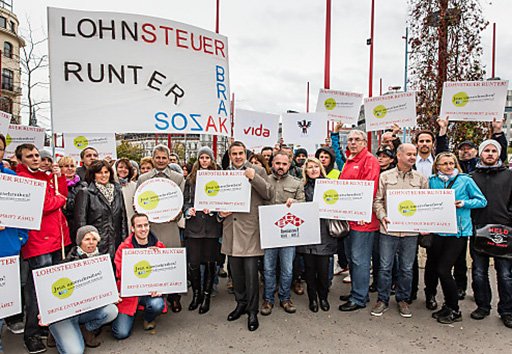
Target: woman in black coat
{"x":316,"y":257}
{"x":202,"y":232}
{"x":101,"y":205}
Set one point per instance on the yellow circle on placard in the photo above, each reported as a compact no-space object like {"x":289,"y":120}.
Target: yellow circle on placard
{"x":460,"y":99}
{"x":148,"y":200}
{"x":211,"y":188}
{"x":63,"y":288}
{"x":8,"y":140}
{"x":380,"y":111}
{"x":142,"y":269}
{"x":80,"y":142}
{"x":331,"y":197}
{"x":330,"y":104}
{"x":407,"y":208}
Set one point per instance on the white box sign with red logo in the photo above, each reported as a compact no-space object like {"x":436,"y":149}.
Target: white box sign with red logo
{"x":422,"y":210}
{"x":281,"y":226}
{"x":147,"y":270}
{"x":344,"y":199}
{"x":256,"y":129}
{"x":10,"y":288}
{"x":69,"y":289}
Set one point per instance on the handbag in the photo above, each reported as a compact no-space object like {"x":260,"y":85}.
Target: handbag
{"x":338,"y":228}
{"x":494,"y":240}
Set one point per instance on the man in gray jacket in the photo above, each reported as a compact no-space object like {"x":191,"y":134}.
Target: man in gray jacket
{"x":392,"y":244}
{"x":241,"y":237}
{"x":287,"y":189}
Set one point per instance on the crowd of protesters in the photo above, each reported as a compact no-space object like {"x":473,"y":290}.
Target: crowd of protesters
{"x":88,"y":210}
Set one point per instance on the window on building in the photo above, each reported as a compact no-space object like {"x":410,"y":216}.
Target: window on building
{"x":8,"y":49}
{"x":13,"y":27}
{"x":6,"y":104}
{"x":7,"y":79}
{"x":3,"y":22}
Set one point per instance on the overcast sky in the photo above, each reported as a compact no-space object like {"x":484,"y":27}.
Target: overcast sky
{"x":276,"y":47}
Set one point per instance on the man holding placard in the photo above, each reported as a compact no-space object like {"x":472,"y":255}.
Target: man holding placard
{"x":287,"y":189}
{"x":241,"y":237}
{"x":168,"y":232}
{"x":44,"y":246}
{"x":396,"y":246}
{"x":141,"y":237}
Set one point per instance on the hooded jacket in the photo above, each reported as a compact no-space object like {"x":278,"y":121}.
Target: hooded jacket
{"x":330,"y":171}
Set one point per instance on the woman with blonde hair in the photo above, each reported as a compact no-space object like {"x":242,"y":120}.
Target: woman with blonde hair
{"x":446,"y":248}
{"x":316,"y":257}
{"x":146,"y":164}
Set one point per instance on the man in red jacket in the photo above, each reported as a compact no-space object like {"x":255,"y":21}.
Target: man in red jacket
{"x":44,"y":246}
{"x":141,"y":237}
{"x":360,"y":165}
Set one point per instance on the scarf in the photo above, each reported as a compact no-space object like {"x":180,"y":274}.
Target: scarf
{"x":81,"y":252}
{"x":73,"y":181}
{"x":445,"y":178}
{"x":479,"y":164}
{"x":107,"y":190}
{"x":123,"y":181}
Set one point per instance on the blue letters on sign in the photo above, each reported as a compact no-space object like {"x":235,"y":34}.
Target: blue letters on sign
{"x":221,"y":89}
{"x":179,"y":121}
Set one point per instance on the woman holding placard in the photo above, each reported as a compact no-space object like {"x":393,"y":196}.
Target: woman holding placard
{"x":73,"y":334}
{"x":202,"y":233}
{"x":101,"y":204}
{"x":316,"y":257}
{"x":446,"y":248}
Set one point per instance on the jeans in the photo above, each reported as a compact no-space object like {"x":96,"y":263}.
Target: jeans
{"x":244,"y":271}
{"x":389,"y":248}
{"x":481,"y":286}
{"x":358,"y":247}
{"x":123,"y":325}
{"x":286,"y":256}
{"x":32,"y":323}
{"x":67,"y":334}
{"x":317,"y":276}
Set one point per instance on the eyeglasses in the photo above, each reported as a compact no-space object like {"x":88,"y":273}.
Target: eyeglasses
{"x":446,"y":164}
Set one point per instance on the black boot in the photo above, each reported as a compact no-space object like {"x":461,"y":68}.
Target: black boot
{"x":208,"y":287}
{"x":195,"y":279}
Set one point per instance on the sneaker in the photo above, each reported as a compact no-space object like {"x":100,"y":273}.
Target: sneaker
{"x":451,"y":317}
{"x":507,"y":320}
{"x":379,"y":309}
{"x":16,"y":327}
{"x":288,"y":306}
{"x":90,"y":338}
{"x":50,"y":341}
{"x":222,"y":273}
{"x":148,"y":326}
{"x":34,"y":345}
{"x":266,"y":308}
{"x":441,"y":313}
{"x":403,"y":308}
{"x":347,"y":279}
{"x":479,"y":314}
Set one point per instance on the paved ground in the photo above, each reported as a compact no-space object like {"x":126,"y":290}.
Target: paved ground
{"x":307,"y":332}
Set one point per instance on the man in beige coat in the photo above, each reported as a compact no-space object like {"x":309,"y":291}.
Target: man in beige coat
{"x":167,"y":232}
{"x":392,"y":244}
{"x":241,"y":237}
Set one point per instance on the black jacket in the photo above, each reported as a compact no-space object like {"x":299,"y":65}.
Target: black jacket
{"x":92,"y":208}
{"x":202,"y":225}
{"x":328,"y":245}
{"x":468,"y":166}
{"x":496,"y":185}
{"x":69,"y":211}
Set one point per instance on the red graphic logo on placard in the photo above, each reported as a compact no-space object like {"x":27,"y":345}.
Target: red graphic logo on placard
{"x":289,"y":219}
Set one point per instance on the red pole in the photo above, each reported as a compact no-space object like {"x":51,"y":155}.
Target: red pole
{"x":493,"y":49}
{"x":327,"y":67}
{"x":217,"y":17}
{"x":169,"y":142}
{"x":307,"y":98}
{"x":370,"y":81}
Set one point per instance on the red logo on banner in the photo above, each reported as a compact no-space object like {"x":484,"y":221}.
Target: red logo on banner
{"x":289,"y":219}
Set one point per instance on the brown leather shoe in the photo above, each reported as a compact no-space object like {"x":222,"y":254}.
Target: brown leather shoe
{"x":288,"y":306}
{"x":298,"y":288}
{"x":90,"y":338}
{"x":266,"y":308}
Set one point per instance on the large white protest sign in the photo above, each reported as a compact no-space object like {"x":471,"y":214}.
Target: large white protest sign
{"x":340,"y":105}
{"x":147,"y":270}
{"x":344,"y":199}
{"x":256,"y":129}
{"x":5,"y":120}
{"x":474,"y":100}
{"x":21,"y":201}
{"x":69,"y":289}
{"x":22,"y":134}
{"x":105,"y":144}
{"x":222,"y":191}
{"x":10,"y":287}
{"x":131,"y":73}
{"x":421,"y":210}
{"x":305,"y":129}
{"x":396,"y":108}
{"x":281,"y":226}
{"x":160,"y":199}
